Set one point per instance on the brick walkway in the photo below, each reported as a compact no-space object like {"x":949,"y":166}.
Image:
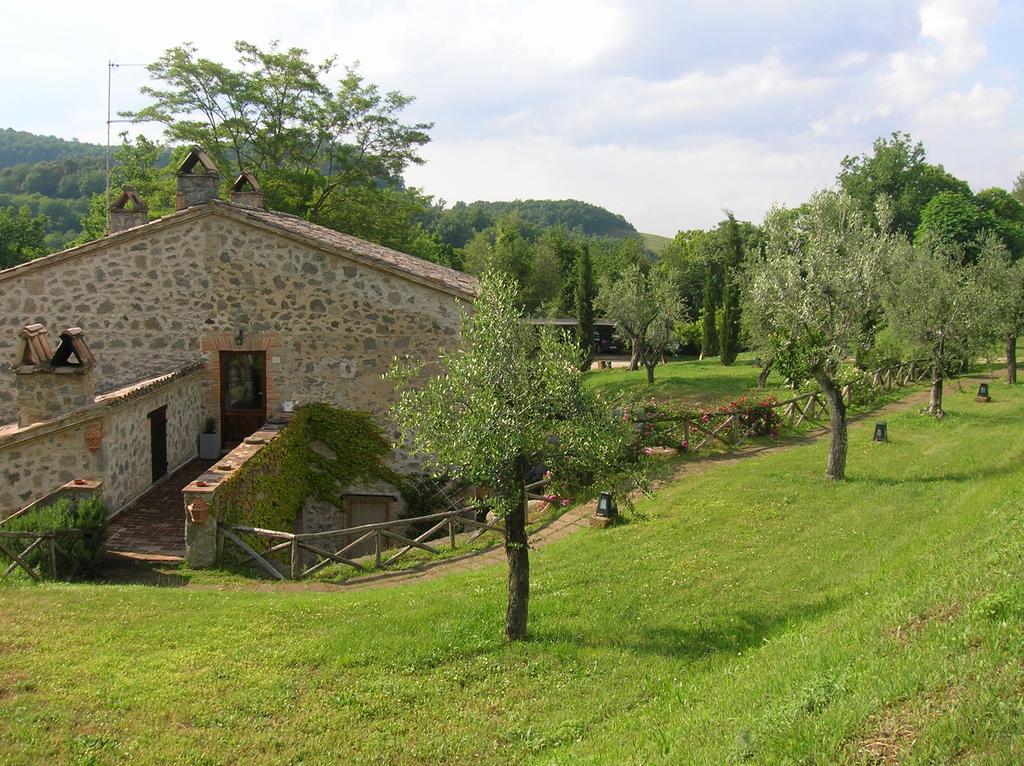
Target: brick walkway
{"x":155,"y":526}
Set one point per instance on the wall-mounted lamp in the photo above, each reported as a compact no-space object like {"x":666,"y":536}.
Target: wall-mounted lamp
{"x":239,"y":337}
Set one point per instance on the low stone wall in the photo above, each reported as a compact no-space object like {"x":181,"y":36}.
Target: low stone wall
{"x":271,"y":480}
{"x":36,"y":460}
{"x":108,"y":441}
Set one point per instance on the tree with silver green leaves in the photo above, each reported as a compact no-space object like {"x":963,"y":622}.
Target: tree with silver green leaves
{"x":945,"y":307}
{"x":508,"y":400}
{"x":645,"y":308}
{"x":808,"y":296}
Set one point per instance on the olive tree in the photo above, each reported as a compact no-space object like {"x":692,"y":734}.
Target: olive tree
{"x":807,"y":297}
{"x":508,"y":400}
{"x":1011,"y":312}
{"x":645,"y":307}
{"x":945,"y":306}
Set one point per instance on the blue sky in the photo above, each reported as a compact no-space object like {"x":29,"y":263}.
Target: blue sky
{"x":664,"y":111}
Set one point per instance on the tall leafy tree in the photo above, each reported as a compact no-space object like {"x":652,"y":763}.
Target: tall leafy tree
{"x":709,"y":335}
{"x":585,"y":305}
{"x":278,"y":115}
{"x":808,"y":297}
{"x":729,"y":330}
{"x":645,"y":308}
{"x":945,"y":305}
{"x":22,"y":236}
{"x":898,"y":169}
{"x":508,"y":400}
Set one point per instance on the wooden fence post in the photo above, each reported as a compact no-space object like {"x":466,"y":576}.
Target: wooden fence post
{"x":451,"y":531}
{"x":51,"y":550}
{"x":296,"y":562}
{"x":377,"y":542}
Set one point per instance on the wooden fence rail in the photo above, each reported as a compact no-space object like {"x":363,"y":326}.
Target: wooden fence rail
{"x":19,"y":560}
{"x":728,"y":429}
{"x":292,"y":544}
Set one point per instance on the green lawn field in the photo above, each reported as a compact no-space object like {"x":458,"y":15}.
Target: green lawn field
{"x":751,"y":613}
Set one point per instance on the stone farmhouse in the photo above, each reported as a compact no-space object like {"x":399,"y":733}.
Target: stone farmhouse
{"x":113,"y":354}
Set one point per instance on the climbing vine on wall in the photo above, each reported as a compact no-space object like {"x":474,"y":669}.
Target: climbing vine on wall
{"x":318,"y":454}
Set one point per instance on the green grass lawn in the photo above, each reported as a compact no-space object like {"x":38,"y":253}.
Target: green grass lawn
{"x":755,"y":614}
{"x":696,"y":383}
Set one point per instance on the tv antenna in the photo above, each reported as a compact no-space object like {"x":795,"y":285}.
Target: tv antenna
{"x":111,"y":66}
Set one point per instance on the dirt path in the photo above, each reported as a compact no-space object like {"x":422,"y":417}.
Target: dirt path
{"x":565,"y":525}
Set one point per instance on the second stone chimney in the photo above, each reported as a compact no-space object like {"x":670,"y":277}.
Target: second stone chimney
{"x":198,"y":179}
{"x":128,"y":211}
{"x":246,"y":192}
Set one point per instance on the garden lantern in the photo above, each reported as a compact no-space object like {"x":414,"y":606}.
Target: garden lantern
{"x":881,"y":432}
{"x":606,"y":506}
{"x":983,"y":393}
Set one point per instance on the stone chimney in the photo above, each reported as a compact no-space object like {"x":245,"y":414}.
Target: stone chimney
{"x":198,"y":179}
{"x":50,"y":385}
{"x":128,"y":211}
{"x":245,"y":191}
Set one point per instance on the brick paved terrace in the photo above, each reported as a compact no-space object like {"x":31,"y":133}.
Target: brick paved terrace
{"x":155,"y":525}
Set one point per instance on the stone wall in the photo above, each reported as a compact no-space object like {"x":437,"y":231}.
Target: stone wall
{"x":155,"y":298}
{"x":44,"y":393}
{"x":141,"y":296}
{"x":182,"y":290}
{"x":330,"y":327}
{"x":126,"y":438}
{"x":109,"y":441}
{"x":36,"y":460}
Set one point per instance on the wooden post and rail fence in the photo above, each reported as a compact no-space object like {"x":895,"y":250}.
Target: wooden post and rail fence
{"x":384,"y":535}
{"x":730,"y":431}
{"x":51,"y":539}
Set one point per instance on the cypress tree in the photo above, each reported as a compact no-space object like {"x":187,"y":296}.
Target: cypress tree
{"x":729,"y":331}
{"x":709,"y":336}
{"x":585,"y":304}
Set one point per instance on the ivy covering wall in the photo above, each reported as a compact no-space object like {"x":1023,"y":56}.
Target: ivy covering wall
{"x":318,"y":454}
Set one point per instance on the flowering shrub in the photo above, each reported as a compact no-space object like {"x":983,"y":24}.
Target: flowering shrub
{"x":662,"y":424}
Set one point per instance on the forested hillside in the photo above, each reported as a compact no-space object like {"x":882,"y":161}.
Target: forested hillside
{"x":56,"y":187}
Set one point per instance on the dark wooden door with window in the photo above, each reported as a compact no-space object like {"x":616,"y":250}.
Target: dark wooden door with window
{"x":243,"y":401}
{"x":158,"y":442}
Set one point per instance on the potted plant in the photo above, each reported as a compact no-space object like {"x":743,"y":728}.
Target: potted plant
{"x":209,"y":441}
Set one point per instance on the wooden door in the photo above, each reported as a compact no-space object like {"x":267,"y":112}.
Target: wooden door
{"x":158,"y":442}
{"x":243,"y":401}
{"x":367,"y":509}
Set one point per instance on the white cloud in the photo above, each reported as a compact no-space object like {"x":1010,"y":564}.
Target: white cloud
{"x":658,"y":190}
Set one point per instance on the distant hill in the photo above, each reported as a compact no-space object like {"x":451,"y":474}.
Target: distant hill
{"x":589,"y":219}
{"x":18,"y":146}
{"x":655,"y":242}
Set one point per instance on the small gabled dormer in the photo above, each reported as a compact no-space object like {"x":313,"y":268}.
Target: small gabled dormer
{"x":128,"y":211}
{"x":52,"y":384}
{"x":198,"y":179}
{"x":246,"y":192}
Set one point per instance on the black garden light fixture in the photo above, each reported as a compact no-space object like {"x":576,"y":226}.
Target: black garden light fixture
{"x":606,"y":506}
{"x":983,"y":393}
{"x":881,"y":433}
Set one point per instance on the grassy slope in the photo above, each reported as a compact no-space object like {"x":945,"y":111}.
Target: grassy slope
{"x":757,"y":614}
{"x":655,"y":242}
{"x":695,"y":383}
